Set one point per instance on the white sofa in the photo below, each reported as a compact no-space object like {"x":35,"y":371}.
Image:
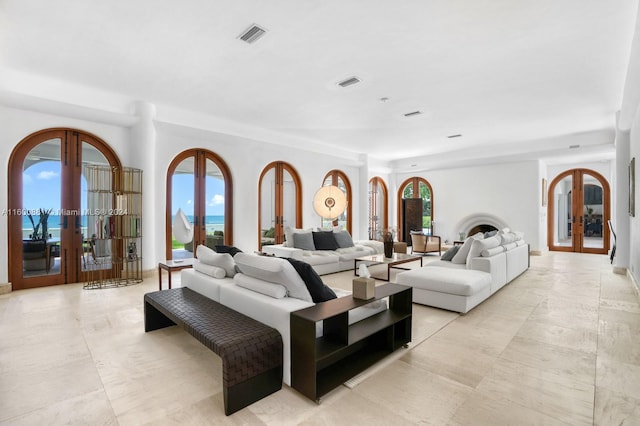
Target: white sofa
{"x":267,"y":302}
{"x":325,"y":261}
{"x":451,"y":285}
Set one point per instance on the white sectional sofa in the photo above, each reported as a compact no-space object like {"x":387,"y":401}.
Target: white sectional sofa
{"x":481,"y":267}
{"x":263,"y":290}
{"x":324,"y":261}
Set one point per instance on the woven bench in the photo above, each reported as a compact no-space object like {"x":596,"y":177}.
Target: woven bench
{"x":251,"y":352}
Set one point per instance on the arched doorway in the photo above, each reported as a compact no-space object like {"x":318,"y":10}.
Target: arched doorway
{"x":339,"y":179}
{"x":378,"y":207}
{"x":199,"y":182}
{"x":415,"y":208}
{"x":279,"y":202}
{"x":578,"y":211}
{"x":49,"y":206}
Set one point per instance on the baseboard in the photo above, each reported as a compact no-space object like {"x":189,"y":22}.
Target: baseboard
{"x":621,"y":271}
{"x":5,"y":288}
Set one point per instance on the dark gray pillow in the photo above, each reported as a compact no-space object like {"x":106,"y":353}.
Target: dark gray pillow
{"x":324,"y":240}
{"x":448,"y":255}
{"x":303,"y":241}
{"x":343,"y":238}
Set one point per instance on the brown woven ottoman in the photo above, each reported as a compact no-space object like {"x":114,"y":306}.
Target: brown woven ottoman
{"x":251,"y":352}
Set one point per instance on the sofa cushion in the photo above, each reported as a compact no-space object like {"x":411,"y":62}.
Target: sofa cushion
{"x":221,"y":260}
{"x":343,"y":239}
{"x":288,"y":235}
{"x":277,"y":291}
{"x":463,"y":282}
{"x":492,"y":251}
{"x":324,"y":241}
{"x":448,"y":255}
{"x":318,"y":290}
{"x":477,"y":246}
{"x":303,"y":241}
{"x":212,"y":271}
{"x":274,"y":270}
{"x":460,"y":257}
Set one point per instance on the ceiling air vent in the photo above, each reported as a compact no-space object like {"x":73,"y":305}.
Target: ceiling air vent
{"x":454,"y":136}
{"x":252,"y":34}
{"x":411,"y":114}
{"x":574,"y":146}
{"x":349,"y":82}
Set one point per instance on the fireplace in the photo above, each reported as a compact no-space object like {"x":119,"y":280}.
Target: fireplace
{"x":480,"y":222}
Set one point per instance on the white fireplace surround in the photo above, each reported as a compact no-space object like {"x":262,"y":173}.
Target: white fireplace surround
{"x":473,"y":220}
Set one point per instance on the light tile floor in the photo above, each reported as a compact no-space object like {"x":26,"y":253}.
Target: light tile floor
{"x":559,"y":345}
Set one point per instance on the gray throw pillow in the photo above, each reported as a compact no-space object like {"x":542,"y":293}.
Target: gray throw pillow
{"x":303,"y":241}
{"x":448,"y":255}
{"x":343,"y":238}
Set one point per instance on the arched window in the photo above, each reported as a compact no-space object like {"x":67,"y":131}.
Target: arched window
{"x":279,"y":201}
{"x":47,"y":175}
{"x":415,"y":215}
{"x":339,"y":179}
{"x":199,"y":183}
{"x":578,"y":211}
{"x":378,"y":207}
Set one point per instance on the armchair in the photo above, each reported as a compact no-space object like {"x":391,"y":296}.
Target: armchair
{"x":425,"y":243}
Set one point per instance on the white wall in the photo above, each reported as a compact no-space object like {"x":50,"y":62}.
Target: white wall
{"x":507,"y":191}
{"x":634,"y":249}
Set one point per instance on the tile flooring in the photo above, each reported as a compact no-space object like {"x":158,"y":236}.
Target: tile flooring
{"x":559,"y":345}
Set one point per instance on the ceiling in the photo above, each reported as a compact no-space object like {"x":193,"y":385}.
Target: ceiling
{"x":514,"y":77}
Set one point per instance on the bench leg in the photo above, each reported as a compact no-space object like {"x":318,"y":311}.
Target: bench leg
{"x":154,"y":319}
{"x":243,"y":394}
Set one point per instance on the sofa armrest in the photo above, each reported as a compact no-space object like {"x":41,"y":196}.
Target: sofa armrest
{"x":282,"y":251}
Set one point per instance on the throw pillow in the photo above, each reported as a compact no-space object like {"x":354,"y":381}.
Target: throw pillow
{"x":343,"y":239}
{"x":477,"y":246}
{"x":221,"y":260}
{"x":303,"y":241}
{"x":460,"y":257}
{"x":324,"y":241}
{"x":276,"y":291}
{"x":288,"y":235}
{"x":318,"y":290}
{"x":212,"y":271}
{"x":228,"y":249}
{"x":274,"y":270}
{"x":448,"y":255}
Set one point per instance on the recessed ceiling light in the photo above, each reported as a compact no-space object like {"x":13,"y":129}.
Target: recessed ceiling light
{"x":349,"y":82}
{"x":411,"y":114}
{"x":454,"y":136}
{"x":252,"y":34}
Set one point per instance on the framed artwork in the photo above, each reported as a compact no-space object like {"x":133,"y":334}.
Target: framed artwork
{"x":632,"y":187}
{"x":544,"y":192}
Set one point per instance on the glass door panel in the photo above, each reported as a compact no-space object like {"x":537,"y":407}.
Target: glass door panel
{"x":288,"y":217}
{"x":182,"y":197}
{"x":563,"y":200}
{"x":268,"y":208}
{"x":425,"y":194}
{"x":42,"y":210}
{"x":593,"y":212}
{"x":214,"y":204}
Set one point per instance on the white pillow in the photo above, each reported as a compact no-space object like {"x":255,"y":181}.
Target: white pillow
{"x":212,"y":271}
{"x":492,"y":251}
{"x":477,"y":246}
{"x":461,"y":256}
{"x":276,"y":291}
{"x":274,"y":270}
{"x":221,"y":260}
{"x":288,"y":235}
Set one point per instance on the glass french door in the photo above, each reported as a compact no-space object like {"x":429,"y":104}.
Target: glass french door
{"x":199,"y":183}
{"x":280,"y":196}
{"x":48,"y":204}
{"x":378,"y":205}
{"x":579,"y":209}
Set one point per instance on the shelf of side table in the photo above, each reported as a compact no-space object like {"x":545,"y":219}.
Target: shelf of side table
{"x":321,"y":364}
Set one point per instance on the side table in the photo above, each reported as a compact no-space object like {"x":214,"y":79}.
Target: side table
{"x":172,"y":265}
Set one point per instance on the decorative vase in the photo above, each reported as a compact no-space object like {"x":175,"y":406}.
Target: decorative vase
{"x":388,"y":248}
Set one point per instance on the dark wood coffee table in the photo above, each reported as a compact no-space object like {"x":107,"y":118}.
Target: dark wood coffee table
{"x":391,"y":262}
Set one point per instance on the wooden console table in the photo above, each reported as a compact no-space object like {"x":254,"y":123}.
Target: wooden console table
{"x":319,"y":365}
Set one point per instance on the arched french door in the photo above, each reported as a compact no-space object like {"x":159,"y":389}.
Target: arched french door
{"x":578,"y":211}
{"x":339,"y":179}
{"x":279,"y":201}
{"x":199,"y":182}
{"x":378,"y":207}
{"x":48,"y":206}
{"x":415,"y":207}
